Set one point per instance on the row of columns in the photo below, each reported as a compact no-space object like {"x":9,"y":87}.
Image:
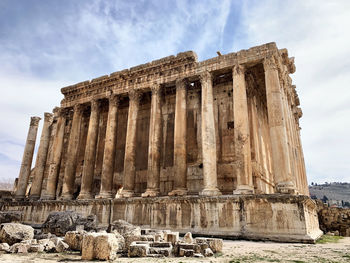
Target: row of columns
{"x":281,"y":163}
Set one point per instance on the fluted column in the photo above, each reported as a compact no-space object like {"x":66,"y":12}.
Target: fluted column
{"x":41,"y":157}
{"x":55,"y":160}
{"x":106,"y":190}
{"x":130,"y":145}
{"x":209,"y":151}
{"x":72,"y":154}
{"x":241,"y":133}
{"x":90,"y":152}
{"x":27,"y":158}
{"x":280,"y":154}
{"x":155,"y":134}
{"x":180,"y":136}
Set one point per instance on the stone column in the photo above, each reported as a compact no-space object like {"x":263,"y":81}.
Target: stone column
{"x":27,"y":158}
{"x":180,"y":136}
{"x":154,"y":148}
{"x":55,"y":160}
{"x":209,"y":150}
{"x":130,"y":145}
{"x":72,"y":154}
{"x":106,"y":190}
{"x":241,"y":133}
{"x":41,"y":157}
{"x":90,"y":152}
{"x":280,"y":154}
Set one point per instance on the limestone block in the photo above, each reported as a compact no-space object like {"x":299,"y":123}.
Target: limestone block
{"x":188,"y":238}
{"x":129,"y":239}
{"x":36,"y":248}
{"x":163,"y":251}
{"x":147,"y":238}
{"x":172,"y":237}
{"x":4,"y":247}
{"x":12,"y":233}
{"x":194,"y":247}
{"x":56,"y":240}
{"x":198,"y":255}
{"x":61,"y":246}
{"x":125,"y":228}
{"x":74,"y":239}
{"x":215,"y":244}
{"x":208,"y":252}
{"x":121,"y":240}
{"x":19,"y":248}
{"x":158,"y":237}
{"x":50,"y":247}
{"x":102,"y":246}
{"x":138,"y":250}
{"x":186,"y":252}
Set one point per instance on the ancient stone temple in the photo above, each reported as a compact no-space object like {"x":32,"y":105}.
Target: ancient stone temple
{"x":211,"y":146}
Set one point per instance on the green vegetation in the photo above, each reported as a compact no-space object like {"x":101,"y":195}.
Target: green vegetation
{"x":328,"y":239}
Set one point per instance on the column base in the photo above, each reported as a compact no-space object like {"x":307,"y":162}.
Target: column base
{"x":85,"y":196}
{"x":150,"y":193}
{"x":127,"y":193}
{"x":210,"y":192}
{"x":48,"y":197}
{"x":286,"y":188}
{"x":178,"y":192}
{"x":243,"y":190}
{"x":66,"y":197}
{"x":104,"y":195}
{"x":34,"y":197}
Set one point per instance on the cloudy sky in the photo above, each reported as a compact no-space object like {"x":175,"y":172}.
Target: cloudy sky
{"x":48,"y":44}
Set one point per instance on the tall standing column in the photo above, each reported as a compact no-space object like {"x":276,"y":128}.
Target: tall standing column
{"x":27,"y":158}
{"x":90,"y":152}
{"x":106,"y":190}
{"x":72,"y":154}
{"x":180,"y":136}
{"x":130,"y":145}
{"x":155,"y":134}
{"x":280,"y":154}
{"x":209,"y":150}
{"x":41,"y":157}
{"x":55,"y":160}
{"x":241,"y":133}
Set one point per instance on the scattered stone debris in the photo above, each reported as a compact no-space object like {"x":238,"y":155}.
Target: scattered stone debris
{"x":121,"y":240}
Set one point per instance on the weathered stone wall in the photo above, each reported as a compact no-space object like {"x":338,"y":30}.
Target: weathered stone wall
{"x":261,"y":217}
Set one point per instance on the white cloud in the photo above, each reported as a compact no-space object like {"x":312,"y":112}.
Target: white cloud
{"x":315,"y":33}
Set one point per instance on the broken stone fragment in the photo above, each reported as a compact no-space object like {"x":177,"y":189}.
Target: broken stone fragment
{"x":208,"y":252}
{"x":215,"y":244}
{"x":36,"y":248}
{"x":61,"y":246}
{"x":19,"y":248}
{"x":4,"y":247}
{"x":186,"y":252}
{"x":188,"y":238}
{"x":12,"y":233}
{"x":172,"y":237}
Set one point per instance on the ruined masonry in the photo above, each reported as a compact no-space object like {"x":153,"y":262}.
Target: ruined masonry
{"x":211,"y":147}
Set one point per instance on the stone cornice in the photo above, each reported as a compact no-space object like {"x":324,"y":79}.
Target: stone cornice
{"x":163,"y":71}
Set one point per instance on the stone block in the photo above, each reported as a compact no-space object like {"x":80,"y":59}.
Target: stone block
{"x":186,"y":252}
{"x":161,"y":244}
{"x":19,"y":248}
{"x":61,"y":246}
{"x":172,"y":237}
{"x":138,"y":250}
{"x":74,"y":239}
{"x":36,"y":248}
{"x":12,"y":233}
{"x":164,"y":251}
{"x":215,"y":244}
{"x":4,"y":247}
{"x":147,"y":238}
{"x":208,"y":252}
{"x":101,"y":246}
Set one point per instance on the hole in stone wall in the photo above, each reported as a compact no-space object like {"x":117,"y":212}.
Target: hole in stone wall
{"x":230,"y":125}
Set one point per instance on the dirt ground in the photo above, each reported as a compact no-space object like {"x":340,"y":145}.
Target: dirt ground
{"x":233,"y":252}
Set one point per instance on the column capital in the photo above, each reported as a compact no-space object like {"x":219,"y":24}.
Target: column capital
{"x":156,"y":89}
{"x":95,"y":104}
{"x":238,"y":69}
{"x":114,"y":99}
{"x":181,"y":83}
{"x":270,"y":63}
{"x":34,"y":121}
{"x":48,"y":117}
{"x":205,"y":76}
{"x":135,"y":95}
{"x":78,"y":108}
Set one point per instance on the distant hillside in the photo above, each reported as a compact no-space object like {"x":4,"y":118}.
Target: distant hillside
{"x":333,"y":191}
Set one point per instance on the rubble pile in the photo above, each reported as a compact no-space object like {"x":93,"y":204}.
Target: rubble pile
{"x":120,"y":240}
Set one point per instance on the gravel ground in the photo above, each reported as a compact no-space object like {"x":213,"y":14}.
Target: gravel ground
{"x":233,"y":252}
